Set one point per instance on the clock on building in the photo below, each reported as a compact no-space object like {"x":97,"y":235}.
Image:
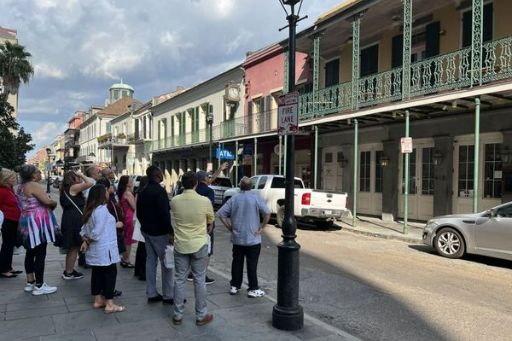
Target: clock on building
{"x":233,"y":92}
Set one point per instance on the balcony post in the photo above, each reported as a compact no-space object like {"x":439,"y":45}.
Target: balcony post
{"x":316,"y":72}
{"x":406,"y":54}
{"x":476,"y":156}
{"x":356,"y":24}
{"x":354,"y":171}
{"x":476,"y":42}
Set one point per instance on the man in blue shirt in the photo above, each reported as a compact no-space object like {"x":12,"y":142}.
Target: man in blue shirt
{"x":242,"y":215}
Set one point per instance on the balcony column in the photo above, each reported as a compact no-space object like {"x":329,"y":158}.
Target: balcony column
{"x":316,"y":73}
{"x":406,"y":53}
{"x":476,"y":162}
{"x":356,"y":25}
{"x":476,"y":42}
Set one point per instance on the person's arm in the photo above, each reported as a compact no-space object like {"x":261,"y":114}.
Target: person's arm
{"x":222,"y":167}
{"x":263,"y":208}
{"x":223,"y":213}
{"x":38,"y":192}
{"x":210,"y":216}
{"x":130,"y":198}
{"x":162,"y":204}
{"x":82,"y":186}
{"x":211,"y":195}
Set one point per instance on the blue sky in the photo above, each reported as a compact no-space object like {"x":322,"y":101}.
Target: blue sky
{"x":81,"y":47}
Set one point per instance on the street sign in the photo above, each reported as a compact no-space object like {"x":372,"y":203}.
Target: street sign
{"x":288,"y":114}
{"x":225,"y":154}
{"x":406,"y":145}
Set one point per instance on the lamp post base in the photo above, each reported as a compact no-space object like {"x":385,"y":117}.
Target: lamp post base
{"x":287,"y":319}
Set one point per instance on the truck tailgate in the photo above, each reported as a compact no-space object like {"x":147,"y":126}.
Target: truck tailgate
{"x":327,"y":200}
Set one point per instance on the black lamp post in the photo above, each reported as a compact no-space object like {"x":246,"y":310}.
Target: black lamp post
{"x":287,"y":313}
{"x":48,"y":164}
{"x":209,"y":120}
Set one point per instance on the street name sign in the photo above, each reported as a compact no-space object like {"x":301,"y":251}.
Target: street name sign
{"x":406,"y":145}
{"x":288,"y":114}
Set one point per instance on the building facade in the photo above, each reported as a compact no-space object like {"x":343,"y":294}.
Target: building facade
{"x":10,"y":35}
{"x":72,"y":139}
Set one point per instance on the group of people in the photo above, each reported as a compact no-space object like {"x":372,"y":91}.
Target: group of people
{"x":102,"y":222}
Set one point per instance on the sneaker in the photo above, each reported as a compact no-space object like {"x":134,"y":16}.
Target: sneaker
{"x":74,"y":275}
{"x":255,"y":293}
{"x":44,"y":289}
{"x":233,"y":291}
{"x":29,"y":287}
{"x":190,"y":277}
{"x":209,"y":280}
{"x":157,"y":298}
{"x":207,"y":319}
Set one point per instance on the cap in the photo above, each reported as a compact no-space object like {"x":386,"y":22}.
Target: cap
{"x":202,"y":175}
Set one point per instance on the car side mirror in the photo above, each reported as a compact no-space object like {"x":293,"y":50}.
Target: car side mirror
{"x":493,"y":213}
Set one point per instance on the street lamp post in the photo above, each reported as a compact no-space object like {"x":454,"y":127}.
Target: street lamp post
{"x":287,"y":313}
{"x":48,"y":151}
{"x":209,"y":120}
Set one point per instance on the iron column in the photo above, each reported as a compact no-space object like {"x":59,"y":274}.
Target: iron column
{"x":287,"y":313}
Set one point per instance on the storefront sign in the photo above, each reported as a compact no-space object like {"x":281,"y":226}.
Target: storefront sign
{"x":225,"y":154}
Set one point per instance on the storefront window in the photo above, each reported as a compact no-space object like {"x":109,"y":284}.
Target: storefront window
{"x":466,"y":161}
{"x":493,"y":171}
{"x":427,"y":172}
{"x":364,"y":172}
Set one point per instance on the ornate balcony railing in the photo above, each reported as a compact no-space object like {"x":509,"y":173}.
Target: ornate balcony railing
{"x":497,"y":63}
{"x":381,"y":87}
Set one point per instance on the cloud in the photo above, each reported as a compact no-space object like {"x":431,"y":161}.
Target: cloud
{"x":44,"y":70}
{"x":46,"y":132}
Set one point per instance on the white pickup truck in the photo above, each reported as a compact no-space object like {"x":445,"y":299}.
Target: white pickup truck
{"x":311,"y":206}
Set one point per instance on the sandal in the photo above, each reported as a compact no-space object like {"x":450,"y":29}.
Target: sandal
{"x":117,"y":309}
{"x":16,"y":272}
{"x":127,"y":265}
{"x":98,"y":306}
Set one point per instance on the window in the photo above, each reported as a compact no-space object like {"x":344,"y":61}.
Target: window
{"x":222,"y":182}
{"x":378,"y":171}
{"x":427,"y":172}
{"x":262,"y":183}
{"x":493,"y":171}
{"x":504,"y":212}
{"x":412,"y":173}
{"x":467,"y":30}
{"x":328,"y":157}
{"x":364,"y":172}
{"x":258,"y":104}
{"x":254,"y":181}
{"x":278,"y":182}
{"x":466,"y":160}
{"x":332,"y":72}
{"x":370,"y":60}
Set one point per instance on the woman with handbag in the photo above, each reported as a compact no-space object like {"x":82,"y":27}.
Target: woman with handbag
{"x":100,"y":246}
{"x":36,"y":228}
{"x":72,"y":201}
{"x":8,"y":205}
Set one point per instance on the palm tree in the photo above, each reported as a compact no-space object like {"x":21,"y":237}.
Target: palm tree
{"x":14,"y":66}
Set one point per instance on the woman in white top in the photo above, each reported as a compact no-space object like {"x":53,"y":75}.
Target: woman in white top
{"x":100,"y":247}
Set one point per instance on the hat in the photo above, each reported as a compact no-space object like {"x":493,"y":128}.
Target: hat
{"x":202,"y":175}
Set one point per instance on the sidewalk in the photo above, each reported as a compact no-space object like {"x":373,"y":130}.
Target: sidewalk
{"x":376,"y":227}
{"x":68,"y":314}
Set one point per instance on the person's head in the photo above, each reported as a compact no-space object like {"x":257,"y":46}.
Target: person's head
{"x":93,"y":172}
{"x":106,"y":182}
{"x":30,"y":173}
{"x":108,"y":174}
{"x":7,"y":178}
{"x":69,"y":179}
{"x":203,"y":177}
{"x":98,"y":195}
{"x":154,"y":174}
{"x":189,"y":180}
{"x":245,"y":184}
{"x":125,"y":184}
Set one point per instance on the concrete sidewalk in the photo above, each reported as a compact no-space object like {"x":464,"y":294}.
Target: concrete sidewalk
{"x":68,"y":314}
{"x":376,"y":227}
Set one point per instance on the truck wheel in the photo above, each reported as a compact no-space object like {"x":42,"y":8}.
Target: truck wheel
{"x":280,"y":216}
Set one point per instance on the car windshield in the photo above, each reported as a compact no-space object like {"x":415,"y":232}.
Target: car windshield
{"x":222,"y":182}
{"x":279,"y":183}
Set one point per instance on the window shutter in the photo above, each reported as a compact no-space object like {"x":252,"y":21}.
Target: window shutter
{"x":370,"y":60}
{"x":332,"y":73}
{"x":432,"y":39}
{"x":467,"y":30}
{"x":488,"y":22}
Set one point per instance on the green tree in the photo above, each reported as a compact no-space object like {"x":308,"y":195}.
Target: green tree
{"x":14,"y":142}
{"x":15,"y":66}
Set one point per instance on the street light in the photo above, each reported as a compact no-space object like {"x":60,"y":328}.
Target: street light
{"x":209,"y":121}
{"x":287,"y":313}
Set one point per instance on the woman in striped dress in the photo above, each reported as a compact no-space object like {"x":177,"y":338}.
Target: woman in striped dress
{"x":36,"y":228}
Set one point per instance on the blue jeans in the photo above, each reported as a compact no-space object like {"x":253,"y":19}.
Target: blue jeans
{"x":198,"y":261}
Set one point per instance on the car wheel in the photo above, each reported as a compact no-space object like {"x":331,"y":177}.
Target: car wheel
{"x":449,"y":243}
{"x":324,"y":224}
{"x":280,"y":216}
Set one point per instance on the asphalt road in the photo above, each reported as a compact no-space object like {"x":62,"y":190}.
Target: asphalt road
{"x":378,"y":289}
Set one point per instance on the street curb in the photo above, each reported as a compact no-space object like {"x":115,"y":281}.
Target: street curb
{"x":381,"y":235}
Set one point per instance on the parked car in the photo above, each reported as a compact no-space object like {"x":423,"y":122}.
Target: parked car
{"x":311,"y":206}
{"x":220,"y":185}
{"x":487,"y":233}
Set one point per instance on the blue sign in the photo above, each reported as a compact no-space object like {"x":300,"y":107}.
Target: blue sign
{"x":225,"y":154}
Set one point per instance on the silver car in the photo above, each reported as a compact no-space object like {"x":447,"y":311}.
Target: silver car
{"x":487,"y":233}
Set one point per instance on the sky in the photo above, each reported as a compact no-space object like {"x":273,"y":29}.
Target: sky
{"x":81,"y":47}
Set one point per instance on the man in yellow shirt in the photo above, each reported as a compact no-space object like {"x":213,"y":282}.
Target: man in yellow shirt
{"x":191,"y":213}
